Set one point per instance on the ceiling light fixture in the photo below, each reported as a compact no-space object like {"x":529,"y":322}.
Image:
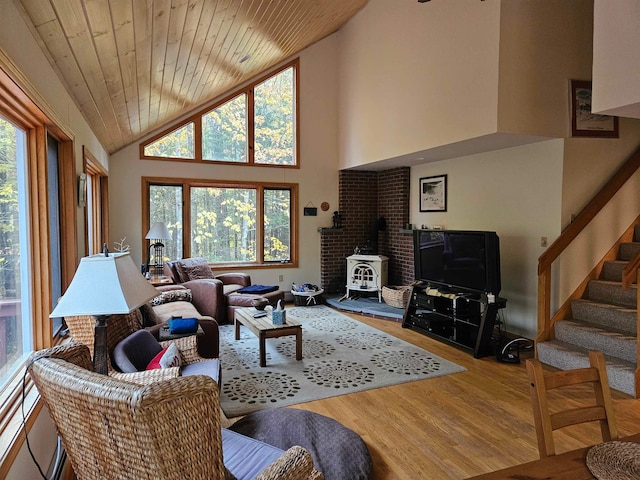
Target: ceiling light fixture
{"x":244,"y":59}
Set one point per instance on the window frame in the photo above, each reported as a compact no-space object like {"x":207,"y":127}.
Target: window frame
{"x":187,"y":184}
{"x":96,"y":208}
{"x":196,"y":119}
{"x":20,"y":104}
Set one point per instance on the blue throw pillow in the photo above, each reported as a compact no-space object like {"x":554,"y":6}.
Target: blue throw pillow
{"x":258,"y":289}
{"x":183,"y":325}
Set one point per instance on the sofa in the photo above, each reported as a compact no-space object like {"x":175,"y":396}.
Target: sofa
{"x":189,"y":272}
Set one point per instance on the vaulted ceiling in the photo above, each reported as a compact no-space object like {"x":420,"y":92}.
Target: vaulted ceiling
{"x":134,"y":65}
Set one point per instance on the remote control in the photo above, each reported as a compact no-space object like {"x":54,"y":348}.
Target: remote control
{"x":259,"y":314}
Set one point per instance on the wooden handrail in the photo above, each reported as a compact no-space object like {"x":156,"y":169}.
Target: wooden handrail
{"x":589,"y":212}
{"x":630,"y":272}
{"x":585,"y":216}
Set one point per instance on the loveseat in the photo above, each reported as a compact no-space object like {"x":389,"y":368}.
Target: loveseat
{"x":190,"y":272}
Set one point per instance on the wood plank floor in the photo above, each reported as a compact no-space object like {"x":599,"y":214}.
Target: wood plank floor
{"x":459,"y":425}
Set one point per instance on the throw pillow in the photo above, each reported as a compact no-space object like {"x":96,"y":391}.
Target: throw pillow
{"x":179,"y":295}
{"x":183,"y":265}
{"x":149,"y":317}
{"x":155,"y":361}
{"x":198,"y":271}
{"x":168,"y":357}
{"x":183,"y":325}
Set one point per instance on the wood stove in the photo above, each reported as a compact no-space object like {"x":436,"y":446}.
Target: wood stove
{"x":367,"y":273}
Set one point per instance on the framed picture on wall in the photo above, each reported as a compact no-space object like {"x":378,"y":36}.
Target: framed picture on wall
{"x":433,"y":194}
{"x":583,"y":122}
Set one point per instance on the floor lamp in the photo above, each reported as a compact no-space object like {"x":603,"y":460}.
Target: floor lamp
{"x":103,"y":285}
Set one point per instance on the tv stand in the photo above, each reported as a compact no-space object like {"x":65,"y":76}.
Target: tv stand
{"x":461,"y":318}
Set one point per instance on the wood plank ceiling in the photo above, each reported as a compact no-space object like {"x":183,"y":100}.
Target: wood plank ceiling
{"x":134,"y":65}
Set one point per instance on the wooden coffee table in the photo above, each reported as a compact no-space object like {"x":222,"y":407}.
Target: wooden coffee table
{"x":264,"y":328}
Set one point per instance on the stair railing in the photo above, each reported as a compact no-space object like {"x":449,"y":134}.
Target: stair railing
{"x":588,"y":213}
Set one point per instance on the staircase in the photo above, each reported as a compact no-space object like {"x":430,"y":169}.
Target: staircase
{"x":605,"y":320}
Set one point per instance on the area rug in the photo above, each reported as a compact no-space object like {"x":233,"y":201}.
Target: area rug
{"x":340,"y":356}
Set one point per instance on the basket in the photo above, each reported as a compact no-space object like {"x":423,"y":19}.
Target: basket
{"x":396,"y":296}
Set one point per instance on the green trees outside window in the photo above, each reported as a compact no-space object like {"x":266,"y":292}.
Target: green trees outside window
{"x":224,"y":132}
{"x":273,"y":120}
{"x":228,"y":222}
{"x":15,"y":334}
{"x":254,"y":126}
{"x":177,"y":144}
{"x":165,"y":203}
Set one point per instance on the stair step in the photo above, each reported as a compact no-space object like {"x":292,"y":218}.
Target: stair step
{"x":611,"y":292}
{"x":612,"y":270}
{"x":628,"y":250}
{"x":606,"y":315}
{"x":611,"y":342}
{"x":566,"y":357}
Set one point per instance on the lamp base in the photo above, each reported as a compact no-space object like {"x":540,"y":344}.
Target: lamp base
{"x":100,"y":345}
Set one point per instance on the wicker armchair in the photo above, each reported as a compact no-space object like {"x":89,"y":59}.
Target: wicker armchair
{"x":119,"y":327}
{"x":167,"y":430}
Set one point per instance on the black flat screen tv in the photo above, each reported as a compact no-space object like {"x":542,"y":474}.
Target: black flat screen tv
{"x":454,"y":258}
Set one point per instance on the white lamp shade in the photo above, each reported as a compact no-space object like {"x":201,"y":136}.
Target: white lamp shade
{"x":158,"y":231}
{"x":105,"y":285}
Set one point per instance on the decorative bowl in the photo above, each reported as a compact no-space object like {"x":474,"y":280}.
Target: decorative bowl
{"x":259,"y":303}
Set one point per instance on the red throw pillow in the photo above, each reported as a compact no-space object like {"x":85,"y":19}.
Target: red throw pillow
{"x":155,"y":361}
{"x":167,"y":358}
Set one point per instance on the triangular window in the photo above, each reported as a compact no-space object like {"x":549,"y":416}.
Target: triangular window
{"x":176,"y":144}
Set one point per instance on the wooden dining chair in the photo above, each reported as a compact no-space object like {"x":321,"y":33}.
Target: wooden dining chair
{"x":546,"y":422}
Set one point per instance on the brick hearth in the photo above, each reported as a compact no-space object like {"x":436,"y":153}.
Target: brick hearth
{"x":365,"y":198}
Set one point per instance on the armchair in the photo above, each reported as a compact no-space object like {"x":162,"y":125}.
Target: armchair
{"x":167,"y":430}
{"x":120,"y":327}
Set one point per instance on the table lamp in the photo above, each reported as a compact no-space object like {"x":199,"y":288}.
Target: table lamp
{"x":104,"y":285}
{"x":156,"y":234}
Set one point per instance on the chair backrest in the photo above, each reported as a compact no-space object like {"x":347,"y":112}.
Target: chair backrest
{"x":119,"y":327}
{"x":115,"y":429}
{"x":546,"y":422}
{"x":134,"y":353}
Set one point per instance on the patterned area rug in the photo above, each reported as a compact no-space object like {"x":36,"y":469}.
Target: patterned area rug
{"x":340,"y":356}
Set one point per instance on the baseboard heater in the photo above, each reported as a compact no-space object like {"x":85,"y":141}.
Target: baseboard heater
{"x":56,"y":467}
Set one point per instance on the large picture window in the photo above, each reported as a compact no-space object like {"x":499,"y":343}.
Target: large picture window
{"x":253,"y":126}
{"x":228,"y":223}
{"x":15,"y":332}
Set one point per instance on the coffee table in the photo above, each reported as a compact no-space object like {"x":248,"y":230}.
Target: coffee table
{"x":264,"y":328}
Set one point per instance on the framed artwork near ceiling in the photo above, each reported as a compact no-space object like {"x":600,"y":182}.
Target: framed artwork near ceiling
{"x":583,"y":122}
{"x":433,"y":194}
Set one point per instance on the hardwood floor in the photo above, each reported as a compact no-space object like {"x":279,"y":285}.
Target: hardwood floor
{"x":459,"y":425}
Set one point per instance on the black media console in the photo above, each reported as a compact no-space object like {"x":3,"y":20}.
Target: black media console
{"x":463,"y":318}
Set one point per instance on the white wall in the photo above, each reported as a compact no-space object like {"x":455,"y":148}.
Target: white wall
{"x":414,"y":76}
{"x":616,"y":58}
{"x":43,"y":441}
{"x":590,"y":162}
{"x":514,"y":192}
{"x":317,"y":178}
{"x":543,"y":45}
